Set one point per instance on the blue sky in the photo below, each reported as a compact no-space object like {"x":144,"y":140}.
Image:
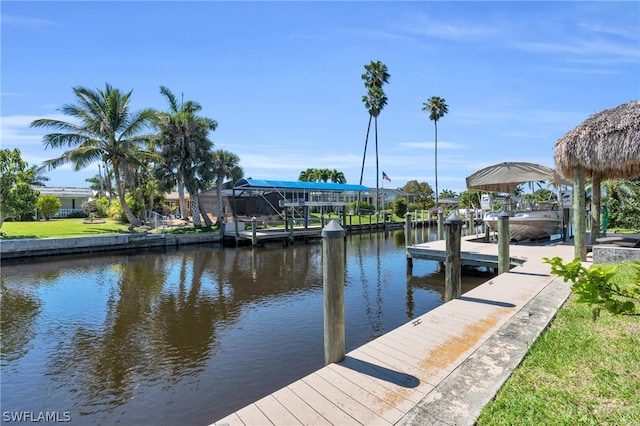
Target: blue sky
{"x":283,"y":78}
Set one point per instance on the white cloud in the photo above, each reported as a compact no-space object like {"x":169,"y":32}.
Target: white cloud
{"x":25,"y":21}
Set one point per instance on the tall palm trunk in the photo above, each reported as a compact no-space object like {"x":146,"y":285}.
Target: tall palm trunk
{"x":192,"y":187}
{"x":195,"y":209}
{"x":377,"y":171}
{"x":220,"y":201}
{"x":107,"y":180}
{"x":134,"y":221}
{"x":364,"y":155}
{"x":183,"y":204}
{"x":435,"y":123}
{"x":205,"y":214}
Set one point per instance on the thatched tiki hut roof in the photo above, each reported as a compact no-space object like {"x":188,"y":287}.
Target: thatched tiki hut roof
{"x":604,"y":146}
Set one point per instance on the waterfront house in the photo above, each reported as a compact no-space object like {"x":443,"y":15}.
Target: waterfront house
{"x":71,"y":199}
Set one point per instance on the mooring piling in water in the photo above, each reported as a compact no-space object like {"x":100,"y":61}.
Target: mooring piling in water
{"x":333,"y":277}
{"x":407,"y":236}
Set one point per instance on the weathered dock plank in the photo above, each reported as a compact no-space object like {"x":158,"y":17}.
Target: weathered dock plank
{"x":273,"y":409}
{"x":345,"y":402}
{"x":390,"y":394}
{"x":316,"y":400}
{"x":377,"y":405}
{"x":299,"y":408}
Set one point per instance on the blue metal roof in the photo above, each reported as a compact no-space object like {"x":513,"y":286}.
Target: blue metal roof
{"x":302,"y":186}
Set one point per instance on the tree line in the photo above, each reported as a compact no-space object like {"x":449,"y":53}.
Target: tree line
{"x":144,"y":153}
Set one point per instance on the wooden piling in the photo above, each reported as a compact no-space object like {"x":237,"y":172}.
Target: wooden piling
{"x":333,"y":277}
{"x":440,"y":224}
{"x":504,"y":261}
{"x":291,"y":234}
{"x":453,"y":266}
{"x":254,"y":237}
{"x":407,"y":236}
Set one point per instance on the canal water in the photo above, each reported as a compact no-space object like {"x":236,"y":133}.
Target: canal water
{"x":188,"y":336}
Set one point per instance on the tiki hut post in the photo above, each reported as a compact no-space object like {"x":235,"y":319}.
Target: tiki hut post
{"x":595,"y":208}
{"x":579,"y":222}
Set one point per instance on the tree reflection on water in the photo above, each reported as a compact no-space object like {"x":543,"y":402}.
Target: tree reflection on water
{"x":147,"y":337}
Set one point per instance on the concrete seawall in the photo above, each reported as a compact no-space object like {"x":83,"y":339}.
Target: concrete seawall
{"x":27,"y":248}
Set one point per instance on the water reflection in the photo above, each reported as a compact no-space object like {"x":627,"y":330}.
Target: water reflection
{"x":202,"y":330}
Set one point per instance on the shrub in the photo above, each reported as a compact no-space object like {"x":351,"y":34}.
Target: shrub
{"x":115,"y":212}
{"x":399,"y":207}
{"x":412,"y":207}
{"x":48,"y":205}
{"x":102,"y":206}
{"x":76,"y":214}
{"x":365,"y":208}
{"x":597,"y":288}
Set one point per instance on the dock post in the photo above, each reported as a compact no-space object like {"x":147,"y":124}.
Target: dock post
{"x":453,"y":267}
{"x":440,"y":224}
{"x":333,"y":277}
{"x":503,"y":243}
{"x":254,"y":237}
{"x":407,"y":236}
{"x":291,"y":234}
{"x":486,"y":231}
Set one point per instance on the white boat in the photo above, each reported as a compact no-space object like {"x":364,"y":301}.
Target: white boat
{"x":529,"y":224}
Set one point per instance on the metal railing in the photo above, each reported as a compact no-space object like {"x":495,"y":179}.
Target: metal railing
{"x":156,"y":220}
{"x":68,"y":212}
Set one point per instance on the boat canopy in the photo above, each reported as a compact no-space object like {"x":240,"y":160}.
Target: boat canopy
{"x":298,"y":185}
{"x":505,"y":177}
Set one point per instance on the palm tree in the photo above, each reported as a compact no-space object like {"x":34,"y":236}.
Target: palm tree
{"x":375,"y":101}
{"x":448,"y":193}
{"x":309,"y":175}
{"x":323,"y":175}
{"x":107,"y":131}
{"x":185,"y":146}
{"x":436,"y":107}
{"x":39,"y":178}
{"x":199,"y":177}
{"x":337,"y":176}
{"x":225,"y":166}
{"x":375,"y":76}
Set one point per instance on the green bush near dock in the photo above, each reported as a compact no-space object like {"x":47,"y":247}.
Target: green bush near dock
{"x":579,"y":371}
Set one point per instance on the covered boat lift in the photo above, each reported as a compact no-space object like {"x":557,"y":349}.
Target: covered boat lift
{"x":290,"y":200}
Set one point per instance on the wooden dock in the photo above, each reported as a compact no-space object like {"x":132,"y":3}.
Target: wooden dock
{"x":474,"y":252}
{"x":271,"y":234}
{"x":403,"y":376}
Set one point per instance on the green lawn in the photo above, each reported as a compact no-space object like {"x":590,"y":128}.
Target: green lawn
{"x":579,"y":372}
{"x":60,"y":228}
